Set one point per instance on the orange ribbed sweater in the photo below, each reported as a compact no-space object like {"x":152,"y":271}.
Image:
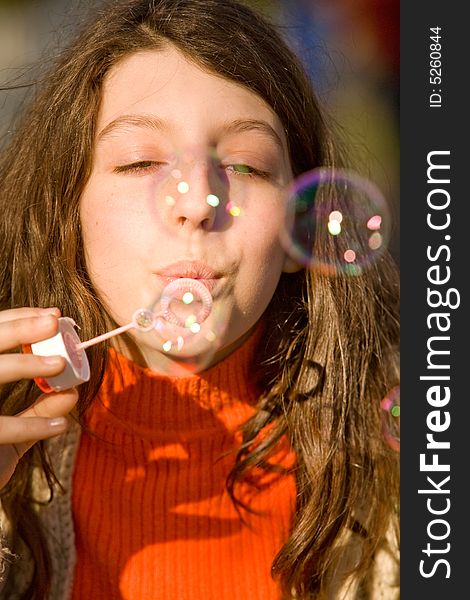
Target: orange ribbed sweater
{"x":152,"y":518}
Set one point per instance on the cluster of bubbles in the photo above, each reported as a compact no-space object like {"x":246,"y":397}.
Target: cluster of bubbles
{"x":184,"y":324}
{"x":175,"y":183}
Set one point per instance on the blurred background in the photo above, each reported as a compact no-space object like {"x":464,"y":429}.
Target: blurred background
{"x":350,"y":49}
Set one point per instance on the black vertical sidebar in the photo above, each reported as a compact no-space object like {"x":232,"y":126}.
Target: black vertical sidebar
{"x":435,"y":257}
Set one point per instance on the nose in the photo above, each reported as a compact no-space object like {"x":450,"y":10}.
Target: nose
{"x":192,"y":202}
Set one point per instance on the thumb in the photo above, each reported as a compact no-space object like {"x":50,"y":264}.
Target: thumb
{"x":55,"y":404}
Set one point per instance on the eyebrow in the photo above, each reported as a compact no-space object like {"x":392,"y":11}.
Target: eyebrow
{"x":126,"y":121}
{"x":242,"y":125}
{"x":154,"y":123}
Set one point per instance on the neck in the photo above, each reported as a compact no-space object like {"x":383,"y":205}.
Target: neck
{"x":168,"y":364}
{"x":140,"y":401}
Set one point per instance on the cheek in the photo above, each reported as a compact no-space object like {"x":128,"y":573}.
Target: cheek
{"x":98,"y":235}
{"x":266,"y":214}
{"x":262,"y":264}
{"x":261,"y":236}
{"x":109,"y":228}
{"x":106,"y":259}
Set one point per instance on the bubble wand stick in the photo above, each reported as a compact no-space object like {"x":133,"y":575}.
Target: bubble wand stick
{"x":67,"y":344}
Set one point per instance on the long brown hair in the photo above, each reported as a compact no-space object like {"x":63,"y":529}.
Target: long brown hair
{"x":329,"y":357}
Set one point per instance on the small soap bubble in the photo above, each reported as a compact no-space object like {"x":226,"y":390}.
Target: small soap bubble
{"x":195,"y":328}
{"x":335,"y":215}
{"x":188,"y":297}
{"x":190,"y":321}
{"x":143,"y":319}
{"x":334,"y":227}
{"x":375,"y":241}
{"x":390,"y":406}
{"x":183,"y":187}
{"x":336,"y":222}
{"x":374,"y":222}
{"x":349,"y":256}
{"x":210,"y":336}
{"x":213,"y":200}
{"x":233,"y":209}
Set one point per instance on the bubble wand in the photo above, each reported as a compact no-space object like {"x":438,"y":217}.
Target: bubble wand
{"x":67,"y":344}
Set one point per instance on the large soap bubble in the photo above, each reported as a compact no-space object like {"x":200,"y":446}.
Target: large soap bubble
{"x":336,"y":221}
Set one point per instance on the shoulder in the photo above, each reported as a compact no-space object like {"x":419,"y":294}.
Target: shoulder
{"x":16,"y":567}
{"x":383,"y":580}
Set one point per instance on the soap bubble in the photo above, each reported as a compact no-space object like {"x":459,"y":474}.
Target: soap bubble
{"x":184,"y":326}
{"x":390,"y":406}
{"x":336,"y":221}
{"x":185,"y":306}
{"x":144,"y":320}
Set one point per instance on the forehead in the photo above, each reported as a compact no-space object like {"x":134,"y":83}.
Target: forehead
{"x":165,"y":83}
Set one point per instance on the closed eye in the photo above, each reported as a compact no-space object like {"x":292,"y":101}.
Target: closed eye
{"x":141,"y":166}
{"x":246,"y":171}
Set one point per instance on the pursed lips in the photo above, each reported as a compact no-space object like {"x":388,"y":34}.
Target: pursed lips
{"x":192,"y":270}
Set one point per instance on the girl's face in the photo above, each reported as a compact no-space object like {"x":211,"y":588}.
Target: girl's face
{"x":164,"y":121}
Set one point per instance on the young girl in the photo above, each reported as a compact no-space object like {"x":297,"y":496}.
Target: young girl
{"x":264,"y":473}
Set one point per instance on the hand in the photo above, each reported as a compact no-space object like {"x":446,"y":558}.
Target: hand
{"x":46,"y":417}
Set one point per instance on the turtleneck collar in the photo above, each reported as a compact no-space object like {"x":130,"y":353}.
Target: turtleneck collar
{"x":143,"y":403}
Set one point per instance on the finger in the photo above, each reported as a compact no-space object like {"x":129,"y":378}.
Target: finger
{"x":48,"y":406}
{"x":21,"y":313}
{"x":29,"y":330}
{"x":9,"y":457}
{"x":27,"y":366}
{"x":55,"y":404}
{"x":20,"y":430}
